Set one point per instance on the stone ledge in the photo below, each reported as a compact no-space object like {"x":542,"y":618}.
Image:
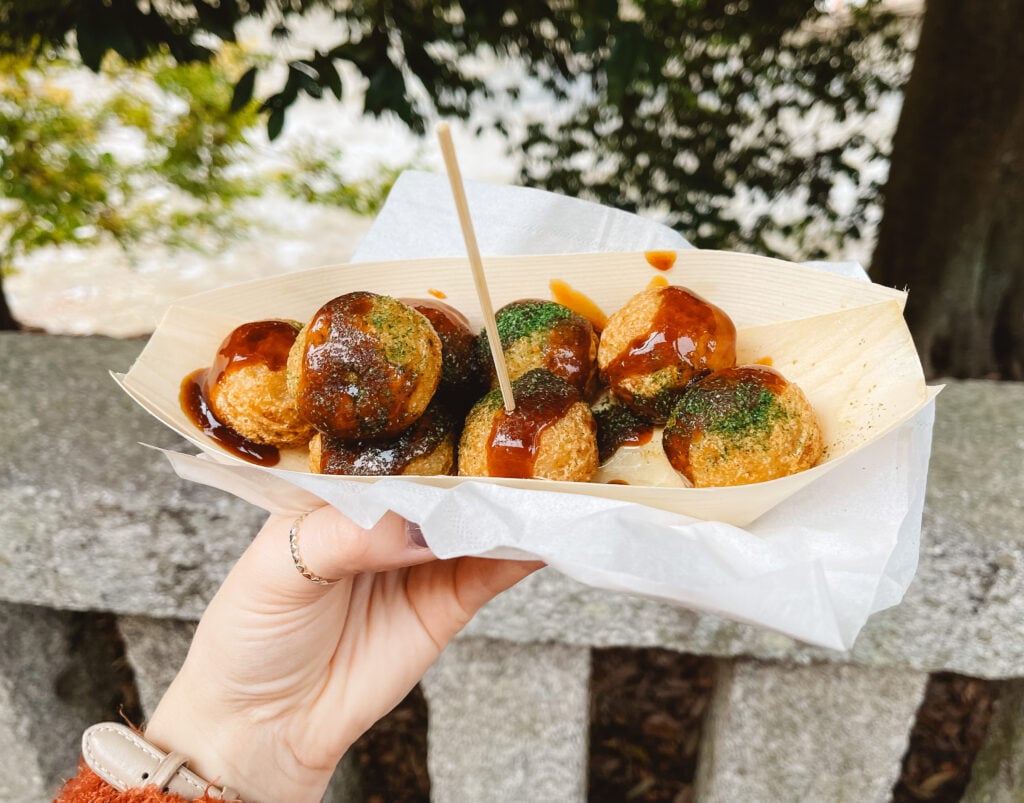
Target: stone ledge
{"x":94,"y":521}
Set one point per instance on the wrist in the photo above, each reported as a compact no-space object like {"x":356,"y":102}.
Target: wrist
{"x":230,"y":750}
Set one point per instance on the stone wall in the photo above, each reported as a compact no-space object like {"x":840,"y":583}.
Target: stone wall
{"x":104,"y":545}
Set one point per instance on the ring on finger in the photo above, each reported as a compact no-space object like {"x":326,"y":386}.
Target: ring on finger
{"x":300,"y":565}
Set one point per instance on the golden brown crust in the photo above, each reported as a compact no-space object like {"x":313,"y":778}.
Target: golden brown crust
{"x":576,"y":362}
{"x":367,"y":368}
{"x":254,"y":401}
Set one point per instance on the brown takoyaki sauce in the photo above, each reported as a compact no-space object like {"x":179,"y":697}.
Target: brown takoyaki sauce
{"x":685,"y":329}
{"x":734,"y":403}
{"x":618,"y":425}
{"x":568,"y":354}
{"x":257,"y":343}
{"x":661,"y":260}
{"x":347,"y":381}
{"x":542,"y":399}
{"x":192,"y":399}
{"x":390,"y":457}
{"x":562,"y":293}
{"x":459,"y":365}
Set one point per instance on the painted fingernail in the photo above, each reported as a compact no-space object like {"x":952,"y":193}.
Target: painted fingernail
{"x":415,"y":535}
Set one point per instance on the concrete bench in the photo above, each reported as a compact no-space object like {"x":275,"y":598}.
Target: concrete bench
{"x":93,"y":522}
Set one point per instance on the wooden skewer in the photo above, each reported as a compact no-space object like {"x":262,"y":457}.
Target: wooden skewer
{"x":444,"y":136}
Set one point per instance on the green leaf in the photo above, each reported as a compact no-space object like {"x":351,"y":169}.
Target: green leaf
{"x":386,"y":91}
{"x":242,"y":95}
{"x":92,"y":43}
{"x":329,"y":76}
{"x":622,"y":61}
{"x":275,"y":123}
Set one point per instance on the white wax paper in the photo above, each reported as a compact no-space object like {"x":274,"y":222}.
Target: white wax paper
{"x":814,"y":567}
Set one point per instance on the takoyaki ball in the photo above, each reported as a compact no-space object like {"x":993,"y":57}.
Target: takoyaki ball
{"x":542,"y":334}
{"x":247,"y":389}
{"x":618,"y":425}
{"x":658,"y":343}
{"x":549,"y":435}
{"x":427,"y":447}
{"x":742,"y":425}
{"x":461,"y":370}
{"x":365,"y":367}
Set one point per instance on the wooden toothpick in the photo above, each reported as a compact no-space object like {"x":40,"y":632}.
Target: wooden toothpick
{"x":444,"y":136}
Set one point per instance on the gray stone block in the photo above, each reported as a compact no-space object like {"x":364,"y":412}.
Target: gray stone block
{"x":156,"y":648}
{"x":805,"y":734}
{"x":508,"y":722}
{"x":95,"y":520}
{"x":51,"y":690}
{"x":998,"y":772}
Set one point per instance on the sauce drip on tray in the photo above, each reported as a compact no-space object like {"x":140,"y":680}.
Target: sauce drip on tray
{"x":193,"y":402}
{"x":661,"y":260}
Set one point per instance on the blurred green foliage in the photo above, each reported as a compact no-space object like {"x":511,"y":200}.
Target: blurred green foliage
{"x":157,"y":158}
{"x":685,"y":107}
{"x":676,"y":107}
{"x":62,"y":181}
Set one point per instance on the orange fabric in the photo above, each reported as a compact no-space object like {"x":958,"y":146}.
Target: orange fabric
{"x":88,"y":787}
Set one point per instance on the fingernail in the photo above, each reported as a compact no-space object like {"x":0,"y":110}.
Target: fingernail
{"x":415,"y":535}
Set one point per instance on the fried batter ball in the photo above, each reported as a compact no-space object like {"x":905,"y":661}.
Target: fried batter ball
{"x":618,"y":425}
{"x":542,"y":334}
{"x":461,"y":371}
{"x":427,"y":447}
{"x":551,"y":434}
{"x":742,"y":425}
{"x":661,"y":340}
{"x":365,"y":367}
{"x":247,"y":389}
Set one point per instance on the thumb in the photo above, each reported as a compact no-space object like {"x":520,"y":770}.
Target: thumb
{"x":329,"y":546}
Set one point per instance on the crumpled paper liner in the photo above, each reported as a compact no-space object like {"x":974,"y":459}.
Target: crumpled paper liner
{"x":812,"y":564}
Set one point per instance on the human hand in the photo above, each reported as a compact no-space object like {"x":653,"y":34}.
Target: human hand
{"x":283,"y":675}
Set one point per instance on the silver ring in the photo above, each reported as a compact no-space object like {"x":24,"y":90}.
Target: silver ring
{"x":293,"y":545}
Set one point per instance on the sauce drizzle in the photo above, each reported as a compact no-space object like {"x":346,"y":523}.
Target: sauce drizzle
{"x":618,"y":425}
{"x":256,"y":343}
{"x":686,"y":333}
{"x":348,"y":385}
{"x":542,"y":399}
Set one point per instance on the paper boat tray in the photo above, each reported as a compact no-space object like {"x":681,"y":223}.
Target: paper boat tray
{"x":843,"y":341}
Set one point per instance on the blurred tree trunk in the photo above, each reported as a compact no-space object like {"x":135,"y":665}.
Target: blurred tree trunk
{"x":953,"y":228}
{"x":7,"y":321}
